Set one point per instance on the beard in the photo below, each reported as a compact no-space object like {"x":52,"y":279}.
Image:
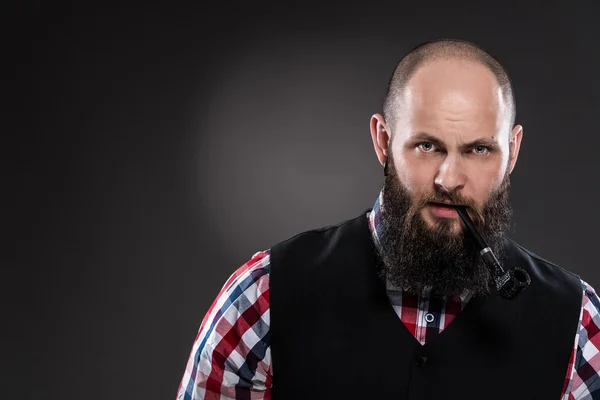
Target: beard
{"x":417,"y":257}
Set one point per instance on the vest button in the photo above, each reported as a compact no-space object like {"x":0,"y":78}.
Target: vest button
{"x":421,"y":361}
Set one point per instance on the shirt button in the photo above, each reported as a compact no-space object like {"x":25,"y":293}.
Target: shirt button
{"x":429,"y":317}
{"x":421,"y":361}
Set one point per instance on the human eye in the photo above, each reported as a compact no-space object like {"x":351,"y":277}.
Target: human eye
{"x":481,"y":150}
{"x":426,"y":147}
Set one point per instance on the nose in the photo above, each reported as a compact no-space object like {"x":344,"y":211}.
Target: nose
{"x":450,"y":176}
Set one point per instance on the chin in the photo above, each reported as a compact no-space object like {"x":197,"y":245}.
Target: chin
{"x":456,"y":229}
{"x":450,"y":225}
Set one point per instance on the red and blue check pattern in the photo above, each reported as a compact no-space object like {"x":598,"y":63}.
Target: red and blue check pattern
{"x":231,"y":357}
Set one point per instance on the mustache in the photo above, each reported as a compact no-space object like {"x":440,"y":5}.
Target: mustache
{"x":447,"y":197}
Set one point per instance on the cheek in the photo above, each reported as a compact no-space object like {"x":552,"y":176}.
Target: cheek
{"x":417,"y":177}
{"x":485,"y":180}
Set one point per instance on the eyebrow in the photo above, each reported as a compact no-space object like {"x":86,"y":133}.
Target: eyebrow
{"x":477,"y":142}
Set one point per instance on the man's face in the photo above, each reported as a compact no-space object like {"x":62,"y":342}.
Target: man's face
{"x":451,"y":144}
{"x":451,"y":140}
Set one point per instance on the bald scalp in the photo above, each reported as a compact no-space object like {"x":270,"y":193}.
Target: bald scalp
{"x":438,"y":50}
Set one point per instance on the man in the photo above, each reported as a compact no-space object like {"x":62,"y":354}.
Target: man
{"x":397,"y":303}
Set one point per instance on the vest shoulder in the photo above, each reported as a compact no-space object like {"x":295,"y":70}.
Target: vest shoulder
{"x":322,"y":233}
{"x":546,"y":267}
{"x":309,"y":251}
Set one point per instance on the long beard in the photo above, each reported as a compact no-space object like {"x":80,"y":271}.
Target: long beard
{"x":417,"y":257}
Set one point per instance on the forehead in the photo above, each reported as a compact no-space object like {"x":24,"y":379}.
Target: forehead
{"x":454,"y":94}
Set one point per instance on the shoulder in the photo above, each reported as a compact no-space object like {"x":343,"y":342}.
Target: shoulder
{"x":242,"y":302}
{"x":585,"y":372}
{"x":541,"y":260}
{"x":232,"y":344}
{"x":590,"y":306}
{"x":251,"y":273}
{"x":246,"y":288}
{"x":312,"y":234}
{"x":546,"y":271}
{"x":302,"y":243}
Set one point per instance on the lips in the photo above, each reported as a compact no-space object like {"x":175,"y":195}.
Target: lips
{"x":444,"y":204}
{"x":443,"y":210}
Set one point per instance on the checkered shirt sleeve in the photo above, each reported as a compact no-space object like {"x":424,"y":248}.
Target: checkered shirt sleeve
{"x":231,"y":356}
{"x":583,"y":377}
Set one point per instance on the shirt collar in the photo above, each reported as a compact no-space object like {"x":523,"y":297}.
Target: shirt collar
{"x":374,"y":217}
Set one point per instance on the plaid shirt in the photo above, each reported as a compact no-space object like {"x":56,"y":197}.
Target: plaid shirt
{"x":231,"y":355}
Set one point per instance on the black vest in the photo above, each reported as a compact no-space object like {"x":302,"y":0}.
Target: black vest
{"x":335,"y":335}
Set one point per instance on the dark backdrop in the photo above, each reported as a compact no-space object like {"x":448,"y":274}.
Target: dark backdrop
{"x":165,"y":145}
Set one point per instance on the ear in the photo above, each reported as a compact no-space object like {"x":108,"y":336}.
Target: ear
{"x":380,"y":136}
{"x":515,"y":144}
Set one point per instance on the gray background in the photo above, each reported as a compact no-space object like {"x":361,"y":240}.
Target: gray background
{"x":160,"y":148}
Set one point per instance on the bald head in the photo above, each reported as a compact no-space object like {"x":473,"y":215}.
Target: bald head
{"x":463,"y":57}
